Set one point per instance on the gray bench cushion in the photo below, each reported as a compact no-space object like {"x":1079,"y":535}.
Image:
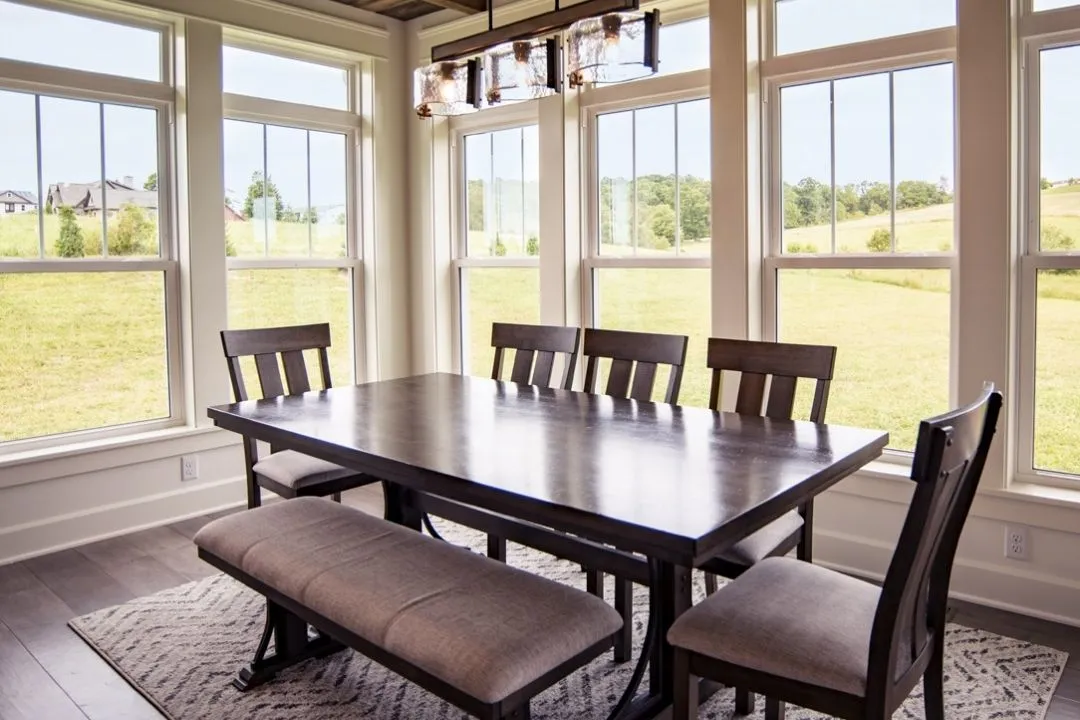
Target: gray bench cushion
{"x":756,"y":547}
{"x":297,"y":470}
{"x":787,"y":618}
{"x":479,"y":625}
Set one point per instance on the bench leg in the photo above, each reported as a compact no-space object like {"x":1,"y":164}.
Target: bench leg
{"x":624,"y":604}
{"x":496,"y":548}
{"x":291,"y":646}
{"x":522,"y":713}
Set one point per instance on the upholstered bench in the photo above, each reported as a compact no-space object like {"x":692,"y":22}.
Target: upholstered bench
{"x":480,"y":634}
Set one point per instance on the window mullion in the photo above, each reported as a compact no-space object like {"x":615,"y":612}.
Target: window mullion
{"x":104,"y":185}
{"x":307,"y":211}
{"x":266,"y":193}
{"x":832,"y":162}
{"x":678,"y":204}
{"x":634,"y":177}
{"x":40,"y":179}
{"x":892,"y":163}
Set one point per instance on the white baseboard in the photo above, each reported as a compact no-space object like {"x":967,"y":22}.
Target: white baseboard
{"x":98,"y":523}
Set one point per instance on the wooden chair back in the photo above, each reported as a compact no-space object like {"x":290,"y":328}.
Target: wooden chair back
{"x":635,"y":357}
{"x":265,"y":345}
{"x":950,"y":454}
{"x":535,"y":348}
{"x":779,"y":364}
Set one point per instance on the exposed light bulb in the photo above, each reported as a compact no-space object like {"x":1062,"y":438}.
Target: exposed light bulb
{"x":522,"y":56}
{"x":448,"y":91}
{"x":612,"y":52}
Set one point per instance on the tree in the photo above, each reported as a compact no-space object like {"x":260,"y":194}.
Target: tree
{"x":499,"y":249}
{"x":1045,"y":184}
{"x":70,"y":244}
{"x":880,"y":241}
{"x":814,"y":199}
{"x":151,"y":182}
{"x":532,"y":246}
{"x":131,"y":232}
{"x":694,"y":204}
{"x":663,"y":224}
{"x":258,"y":191}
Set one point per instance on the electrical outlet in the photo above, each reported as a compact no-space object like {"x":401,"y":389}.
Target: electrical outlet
{"x":1016,"y":542}
{"x":189,"y":467}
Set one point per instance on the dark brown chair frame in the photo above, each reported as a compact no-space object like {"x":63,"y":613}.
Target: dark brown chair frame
{"x":535,"y":348}
{"x":265,"y":345}
{"x":907,"y":640}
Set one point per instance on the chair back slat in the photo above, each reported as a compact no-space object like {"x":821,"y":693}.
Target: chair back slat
{"x":535,"y":348}
{"x":781,"y":397}
{"x":269,"y":375}
{"x":751,"y":393}
{"x":781,"y":364}
{"x":521,"y":372}
{"x":628,"y":349}
{"x":266,"y":345}
{"x":296,"y":376}
{"x":949,"y":457}
{"x":545,"y":364}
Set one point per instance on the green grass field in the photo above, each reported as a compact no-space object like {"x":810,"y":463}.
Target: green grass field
{"x":90,"y":348}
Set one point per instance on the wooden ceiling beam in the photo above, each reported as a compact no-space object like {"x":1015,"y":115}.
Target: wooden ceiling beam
{"x":469,"y":7}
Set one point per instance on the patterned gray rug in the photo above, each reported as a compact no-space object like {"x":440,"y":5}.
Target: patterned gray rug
{"x":181,"y":648}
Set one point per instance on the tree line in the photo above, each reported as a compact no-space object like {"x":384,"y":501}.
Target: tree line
{"x":809,"y":202}
{"x":656,"y":217}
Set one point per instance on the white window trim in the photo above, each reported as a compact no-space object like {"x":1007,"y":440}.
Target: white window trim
{"x":1032,"y":260}
{"x":159,"y":96}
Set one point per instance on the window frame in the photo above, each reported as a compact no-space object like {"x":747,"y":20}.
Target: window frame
{"x":356,"y":126}
{"x":1031,"y":258}
{"x":65,"y":83}
{"x":507,"y":117}
{"x":903,"y":52}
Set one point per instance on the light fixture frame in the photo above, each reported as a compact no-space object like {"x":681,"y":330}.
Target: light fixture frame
{"x":651,"y":54}
{"x":553,"y":71}
{"x":473,"y":94}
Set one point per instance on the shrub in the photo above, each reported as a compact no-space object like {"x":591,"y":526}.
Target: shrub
{"x":71,"y":243}
{"x":532,"y":245}
{"x":500,"y":249}
{"x":798,"y":247}
{"x":230,"y":246}
{"x":880,"y":241}
{"x":131,"y":232}
{"x":1053,"y":238}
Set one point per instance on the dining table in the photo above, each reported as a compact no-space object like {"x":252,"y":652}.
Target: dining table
{"x":674,"y":484}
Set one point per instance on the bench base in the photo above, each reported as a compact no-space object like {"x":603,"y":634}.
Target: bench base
{"x":292,"y":645}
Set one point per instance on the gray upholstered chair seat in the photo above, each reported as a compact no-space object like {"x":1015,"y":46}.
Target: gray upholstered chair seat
{"x":477,"y":624}
{"x":787,"y":618}
{"x":756,"y":547}
{"x":297,"y":470}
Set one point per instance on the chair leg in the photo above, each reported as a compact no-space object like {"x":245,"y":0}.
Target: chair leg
{"x":805,"y":549}
{"x":934,"y":681}
{"x":496,"y":548}
{"x":685,"y":703}
{"x":744,"y":702}
{"x":254,"y":493}
{"x":624,"y":605}
{"x":774,"y":709}
{"x":594,"y":583}
{"x":336,"y":497}
{"x":710,"y":583}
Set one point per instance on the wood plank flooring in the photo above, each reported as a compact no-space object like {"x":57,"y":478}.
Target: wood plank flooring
{"x":47,"y":672}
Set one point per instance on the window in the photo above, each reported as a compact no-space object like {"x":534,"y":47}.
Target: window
{"x":812,"y":24}
{"x":499,"y":238}
{"x":684,"y":46}
{"x":862,"y":247}
{"x":291,"y":231}
{"x":88,"y":277}
{"x":1053,"y":4}
{"x":648,"y":254}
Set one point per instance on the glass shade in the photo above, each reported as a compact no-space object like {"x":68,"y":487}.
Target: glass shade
{"x":522,"y":70}
{"x":447,"y":88}
{"x":613,"y":48}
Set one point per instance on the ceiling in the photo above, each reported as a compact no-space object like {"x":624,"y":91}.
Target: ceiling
{"x":409,"y":9}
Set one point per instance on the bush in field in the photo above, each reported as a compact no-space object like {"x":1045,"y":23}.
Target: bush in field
{"x":131,"y":232}
{"x":798,"y":247}
{"x":500,"y":248}
{"x":880,"y":241}
{"x":70,"y":244}
{"x":1054,"y":239}
{"x":532,"y":245}
{"x":230,"y":246}
{"x":663,"y":225}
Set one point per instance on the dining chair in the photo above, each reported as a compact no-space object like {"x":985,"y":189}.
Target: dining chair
{"x":287,"y":473}
{"x":777,"y":367}
{"x":635,"y":358}
{"x":800,"y":633}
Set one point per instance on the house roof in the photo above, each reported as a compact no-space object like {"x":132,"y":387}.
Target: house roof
{"x":87,"y":196}
{"x":29,"y":197}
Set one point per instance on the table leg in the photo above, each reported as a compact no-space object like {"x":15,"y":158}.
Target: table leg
{"x":400,"y":506}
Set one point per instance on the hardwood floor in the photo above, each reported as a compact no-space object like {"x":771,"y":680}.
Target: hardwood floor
{"x":48,"y":673}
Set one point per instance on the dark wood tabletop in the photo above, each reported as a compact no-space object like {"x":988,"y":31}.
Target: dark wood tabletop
{"x":675,"y":483}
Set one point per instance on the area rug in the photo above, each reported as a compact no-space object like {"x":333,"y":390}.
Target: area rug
{"x":182,"y":647}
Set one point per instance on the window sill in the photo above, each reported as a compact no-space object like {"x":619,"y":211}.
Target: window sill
{"x":59,"y":461}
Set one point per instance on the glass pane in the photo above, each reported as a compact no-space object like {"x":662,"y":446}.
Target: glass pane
{"x":506,"y":223}
{"x":530,"y":159}
{"x":684,"y":46}
{"x":1060,"y":150}
{"x":863,"y":189}
{"x":494,"y":295}
{"x":1052,"y":4}
{"x":891,"y":328}
{"x":695,"y":173}
{"x":247,"y":72}
{"x":131,"y":190}
{"x":806,"y":167}
{"x":654,"y":159}
{"x":18,"y":176}
{"x":925,"y":158}
{"x":246,"y":208}
{"x":329,"y":191}
{"x":502,"y":202}
{"x":812,"y":24}
{"x":615,"y":172}
{"x":269,"y":298}
{"x":1057,"y":395}
{"x":662,"y":301}
{"x":49,"y":37}
{"x":92,"y":351}
{"x":286,"y":194}
{"x":478,"y":190}
{"x":71,"y":170}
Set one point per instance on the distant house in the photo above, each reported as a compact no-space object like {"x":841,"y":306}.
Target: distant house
{"x":17,"y":201}
{"x":232,"y":216}
{"x":85,"y":198}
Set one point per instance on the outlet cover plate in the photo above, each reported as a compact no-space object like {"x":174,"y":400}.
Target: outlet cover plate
{"x":189,"y":468}
{"x":1016,"y":542}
